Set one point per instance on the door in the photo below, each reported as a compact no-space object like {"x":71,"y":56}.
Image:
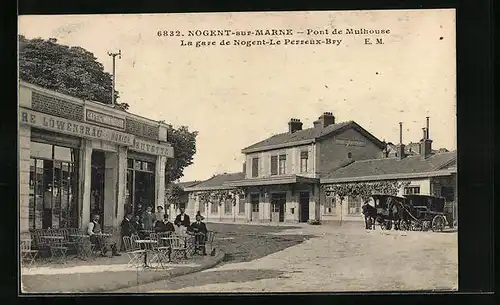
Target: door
{"x":278,"y":202}
{"x":304,"y":206}
{"x":254,"y":205}
{"x":97,"y":185}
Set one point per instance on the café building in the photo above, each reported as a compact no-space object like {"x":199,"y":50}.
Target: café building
{"x":78,"y":158}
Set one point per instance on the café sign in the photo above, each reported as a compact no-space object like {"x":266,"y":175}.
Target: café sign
{"x":153,"y":148}
{"x":53,"y":123}
{"x":104,"y":119}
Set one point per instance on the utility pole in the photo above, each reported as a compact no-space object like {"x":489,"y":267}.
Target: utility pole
{"x":119,"y":54}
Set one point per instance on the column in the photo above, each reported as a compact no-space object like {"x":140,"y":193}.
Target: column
{"x":110,"y":189}
{"x":84,"y":186}
{"x":122,"y":185}
{"x":24,"y":176}
{"x":160,"y":181}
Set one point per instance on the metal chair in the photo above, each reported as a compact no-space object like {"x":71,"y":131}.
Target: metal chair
{"x":133,"y":254}
{"x":177,"y":247}
{"x":27,"y":254}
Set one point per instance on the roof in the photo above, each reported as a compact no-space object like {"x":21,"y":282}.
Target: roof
{"x":306,"y":136}
{"x":273,"y":180}
{"x":385,"y":168}
{"x":186,"y":184}
{"x":217,"y":182}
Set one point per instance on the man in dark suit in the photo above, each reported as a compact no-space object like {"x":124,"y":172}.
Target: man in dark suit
{"x":127,"y":228}
{"x":199,"y":230}
{"x":164,"y":225}
{"x":182,"y":221}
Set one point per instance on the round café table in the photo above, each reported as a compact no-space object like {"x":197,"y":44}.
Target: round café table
{"x":148,"y":246}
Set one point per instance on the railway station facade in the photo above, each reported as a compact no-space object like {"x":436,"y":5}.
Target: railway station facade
{"x":288,"y":177}
{"x":78,"y":158}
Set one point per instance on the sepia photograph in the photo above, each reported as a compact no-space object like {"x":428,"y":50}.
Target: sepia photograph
{"x":304,"y":151}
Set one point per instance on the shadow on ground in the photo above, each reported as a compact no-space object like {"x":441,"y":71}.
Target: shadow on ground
{"x":207,"y":278}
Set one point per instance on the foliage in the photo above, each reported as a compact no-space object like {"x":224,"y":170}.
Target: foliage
{"x":364,"y":189}
{"x":173,"y":193}
{"x":70,"y":70}
{"x":184,"y":144}
{"x":314,"y":222}
{"x":76,"y":72}
{"x":219,"y":196}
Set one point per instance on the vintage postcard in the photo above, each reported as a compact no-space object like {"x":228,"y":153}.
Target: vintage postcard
{"x":309,"y":151}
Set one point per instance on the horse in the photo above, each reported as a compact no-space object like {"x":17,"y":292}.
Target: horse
{"x":370,"y":214}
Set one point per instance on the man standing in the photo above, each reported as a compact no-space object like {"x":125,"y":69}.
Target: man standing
{"x":148,"y":219}
{"x":93,"y":230}
{"x":182,"y":221}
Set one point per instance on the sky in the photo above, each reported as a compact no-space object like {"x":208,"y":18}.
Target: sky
{"x":235,"y":96}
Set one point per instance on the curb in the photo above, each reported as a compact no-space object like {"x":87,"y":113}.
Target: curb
{"x":217,"y":260}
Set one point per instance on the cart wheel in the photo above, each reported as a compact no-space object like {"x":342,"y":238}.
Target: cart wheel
{"x":438,"y":223}
{"x":415,"y":226}
{"x":426,"y":226}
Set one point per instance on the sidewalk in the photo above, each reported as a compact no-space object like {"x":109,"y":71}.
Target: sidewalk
{"x":104,"y":274}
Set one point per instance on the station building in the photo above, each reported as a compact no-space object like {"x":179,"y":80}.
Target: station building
{"x":78,"y":158}
{"x":288,"y":177}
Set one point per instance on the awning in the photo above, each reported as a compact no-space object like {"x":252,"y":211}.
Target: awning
{"x":275,"y":180}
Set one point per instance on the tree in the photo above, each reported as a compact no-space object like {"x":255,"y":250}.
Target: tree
{"x":184,"y":143}
{"x":173,"y":193}
{"x":70,"y":70}
{"x":76,"y":72}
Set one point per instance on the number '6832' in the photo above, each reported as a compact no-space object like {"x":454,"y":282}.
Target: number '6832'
{"x":168,"y":33}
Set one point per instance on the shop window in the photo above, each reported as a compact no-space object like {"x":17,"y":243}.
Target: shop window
{"x":53,"y":187}
{"x":354,"y":205}
{"x":140,"y":186}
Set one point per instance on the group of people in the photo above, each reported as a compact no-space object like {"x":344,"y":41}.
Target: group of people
{"x":159,"y":222}
{"x":141,"y":222}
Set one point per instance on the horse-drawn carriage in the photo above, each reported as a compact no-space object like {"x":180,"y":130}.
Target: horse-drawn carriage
{"x":411,"y":212}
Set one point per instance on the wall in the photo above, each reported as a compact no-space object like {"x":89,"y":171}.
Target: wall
{"x":331,"y":154}
{"x":292,"y":161}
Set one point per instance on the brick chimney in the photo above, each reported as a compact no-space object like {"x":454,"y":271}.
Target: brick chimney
{"x":400,"y":149}
{"x":317,"y":124}
{"x":425,"y":143}
{"x":294,"y":125}
{"x":325,"y":120}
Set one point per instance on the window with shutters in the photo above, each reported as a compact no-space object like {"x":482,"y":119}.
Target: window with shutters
{"x":214,"y":207}
{"x":282,"y":164}
{"x":274,"y":165}
{"x":255,"y":167}
{"x":354,"y":205}
{"x":304,"y":156}
{"x":330,"y":206}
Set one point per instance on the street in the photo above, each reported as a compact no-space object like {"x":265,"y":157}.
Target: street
{"x":346,"y":258}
